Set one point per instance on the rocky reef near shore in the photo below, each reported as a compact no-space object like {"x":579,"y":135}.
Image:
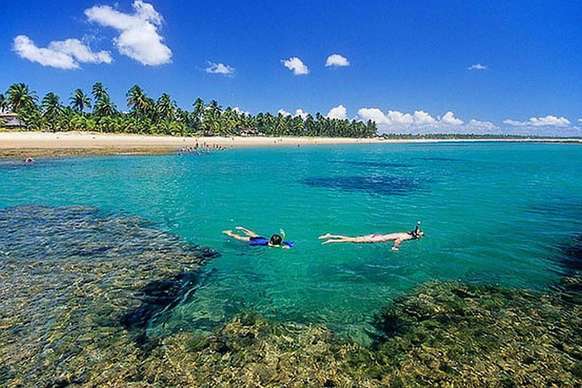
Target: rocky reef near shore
{"x":78,"y":288}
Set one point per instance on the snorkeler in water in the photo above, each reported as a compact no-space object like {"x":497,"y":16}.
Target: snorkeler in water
{"x":398,"y":238}
{"x":276,"y":240}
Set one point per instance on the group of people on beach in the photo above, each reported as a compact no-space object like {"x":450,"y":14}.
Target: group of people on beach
{"x":278,"y":240}
{"x":200,"y":149}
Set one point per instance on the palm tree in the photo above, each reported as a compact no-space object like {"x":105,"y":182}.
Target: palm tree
{"x":99,"y":91}
{"x":3,"y":103}
{"x":79,"y":101}
{"x":165,"y":108}
{"x":52,"y":110}
{"x":104,"y":107}
{"x":20,"y":97}
{"x":140,"y":104}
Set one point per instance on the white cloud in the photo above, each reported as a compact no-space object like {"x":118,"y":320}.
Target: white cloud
{"x":514,"y":123}
{"x":399,"y":119}
{"x":298,"y":112}
{"x":481,"y":125}
{"x":422,"y":122}
{"x":240,"y":111}
{"x":547,"y":121}
{"x":219,"y":68}
{"x":339,"y":112}
{"x":423,"y":118}
{"x":301,"y":113}
{"x":337,"y":60}
{"x":478,"y":67}
{"x":139,"y":37}
{"x":65,"y":54}
{"x":450,"y":119}
{"x":373,"y":114}
{"x":296,"y":65}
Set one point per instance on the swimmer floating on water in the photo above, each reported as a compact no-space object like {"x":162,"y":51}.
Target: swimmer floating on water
{"x":398,"y":238}
{"x":276,"y":240}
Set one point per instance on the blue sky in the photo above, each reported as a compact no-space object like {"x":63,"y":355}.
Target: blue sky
{"x":404,"y":57}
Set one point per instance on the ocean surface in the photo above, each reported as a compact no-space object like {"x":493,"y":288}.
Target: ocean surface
{"x":492,"y":213}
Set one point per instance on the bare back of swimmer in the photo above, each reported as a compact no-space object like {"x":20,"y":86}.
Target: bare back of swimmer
{"x":397,"y":238}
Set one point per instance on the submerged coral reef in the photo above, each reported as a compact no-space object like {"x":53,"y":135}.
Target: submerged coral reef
{"x":76,"y":299}
{"x":441,"y":334}
{"x":78,"y":287}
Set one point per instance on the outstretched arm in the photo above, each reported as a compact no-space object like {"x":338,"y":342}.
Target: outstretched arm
{"x":396,"y":245}
{"x":230,"y":233}
{"x":246,"y":231}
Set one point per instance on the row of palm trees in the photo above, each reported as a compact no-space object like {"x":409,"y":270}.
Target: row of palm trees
{"x":145,"y":115}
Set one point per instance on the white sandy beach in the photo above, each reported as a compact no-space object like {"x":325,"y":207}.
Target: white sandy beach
{"x":120,"y":143}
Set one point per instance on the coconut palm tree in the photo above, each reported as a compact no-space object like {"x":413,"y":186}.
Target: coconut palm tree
{"x":20,"y":97}
{"x":3,"y":103}
{"x":99,"y":91}
{"x":165,"y":108}
{"x":52,"y":110}
{"x":104,"y":107}
{"x":79,"y":101}
{"x":139,"y":103}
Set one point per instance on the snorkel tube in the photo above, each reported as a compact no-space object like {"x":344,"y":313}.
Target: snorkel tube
{"x":289,"y":244}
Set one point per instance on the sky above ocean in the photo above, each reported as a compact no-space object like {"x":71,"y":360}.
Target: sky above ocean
{"x":415,"y":67}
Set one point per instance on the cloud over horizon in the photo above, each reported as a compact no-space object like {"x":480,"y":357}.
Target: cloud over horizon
{"x":336,"y":60}
{"x":138,"y":37}
{"x":547,"y":121}
{"x":296,"y":65}
{"x":64,"y":54}
{"x":298,"y":113}
{"x":422,"y":122}
{"x":338,"y":112}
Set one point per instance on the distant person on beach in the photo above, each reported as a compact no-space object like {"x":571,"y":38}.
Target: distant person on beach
{"x":29,"y":160}
{"x":276,"y":240}
{"x":398,"y":238}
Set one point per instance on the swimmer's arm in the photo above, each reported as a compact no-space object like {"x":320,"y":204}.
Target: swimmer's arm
{"x":246,"y":231}
{"x":396,"y":245}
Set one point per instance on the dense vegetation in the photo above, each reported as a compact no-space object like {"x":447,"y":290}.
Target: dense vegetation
{"x":96,"y":112}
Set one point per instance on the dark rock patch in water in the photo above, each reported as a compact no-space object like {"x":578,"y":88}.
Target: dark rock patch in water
{"x":380,"y":185}
{"x":570,"y":257}
{"x":157,"y":297}
{"x":78,"y":287}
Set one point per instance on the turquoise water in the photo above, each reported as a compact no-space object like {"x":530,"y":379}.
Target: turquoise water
{"x":492,"y":212}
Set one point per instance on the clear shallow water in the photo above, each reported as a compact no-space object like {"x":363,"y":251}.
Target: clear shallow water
{"x":492,"y":213}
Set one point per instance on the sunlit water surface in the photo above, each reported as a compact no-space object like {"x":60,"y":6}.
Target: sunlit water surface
{"x":492,"y":212}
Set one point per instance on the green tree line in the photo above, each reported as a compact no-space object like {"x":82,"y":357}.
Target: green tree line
{"x":95,"y":111}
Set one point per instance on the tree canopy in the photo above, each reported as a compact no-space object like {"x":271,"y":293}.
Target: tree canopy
{"x":146,"y":115}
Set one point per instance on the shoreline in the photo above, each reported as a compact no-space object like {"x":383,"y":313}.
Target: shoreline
{"x":49,"y":144}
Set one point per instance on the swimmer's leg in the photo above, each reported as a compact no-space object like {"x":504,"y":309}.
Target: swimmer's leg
{"x":341,"y":240}
{"x":230,"y":233}
{"x":246,"y":231}
{"x":329,"y":235}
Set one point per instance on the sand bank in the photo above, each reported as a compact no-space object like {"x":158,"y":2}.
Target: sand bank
{"x":16,"y":144}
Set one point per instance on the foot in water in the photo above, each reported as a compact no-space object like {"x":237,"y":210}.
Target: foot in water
{"x":324,"y":236}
